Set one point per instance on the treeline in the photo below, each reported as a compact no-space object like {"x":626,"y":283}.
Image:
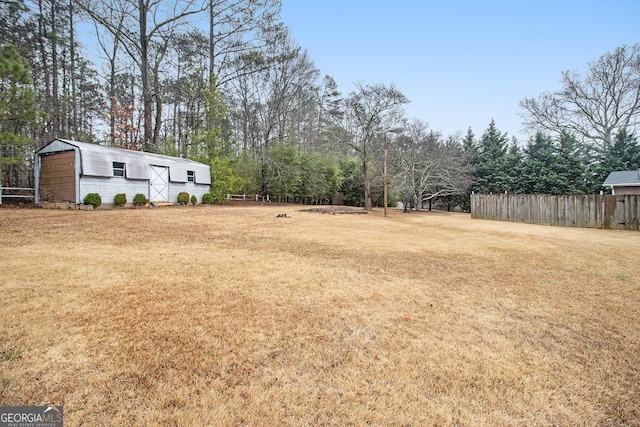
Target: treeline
{"x":546,"y":164}
{"x":221,"y":82}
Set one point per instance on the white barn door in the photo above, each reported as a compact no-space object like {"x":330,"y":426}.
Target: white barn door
{"x":159,"y":184}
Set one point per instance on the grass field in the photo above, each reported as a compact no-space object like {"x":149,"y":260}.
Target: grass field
{"x":193,"y":316}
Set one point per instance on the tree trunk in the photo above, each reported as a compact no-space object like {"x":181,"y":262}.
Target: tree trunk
{"x":74,"y":100}
{"x":158,"y":100}
{"x":42,"y":36}
{"x":212,"y":46}
{"x":148,"y":143}
{"x":368,"y":205}
{"x":112,"y":97}
{"x":55,"y":111}
{"x":130,"y":137}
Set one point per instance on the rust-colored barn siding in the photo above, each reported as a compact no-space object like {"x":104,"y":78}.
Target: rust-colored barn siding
{"x":58,"y":177}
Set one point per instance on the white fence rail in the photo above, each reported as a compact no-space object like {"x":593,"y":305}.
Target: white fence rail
{"x":245,"y":197}
{"x":31,"y":192}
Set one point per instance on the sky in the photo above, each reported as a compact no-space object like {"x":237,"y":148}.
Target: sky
{"x":460,"y":63}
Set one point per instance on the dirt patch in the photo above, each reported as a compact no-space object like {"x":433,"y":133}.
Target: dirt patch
{"x":333,"y":210}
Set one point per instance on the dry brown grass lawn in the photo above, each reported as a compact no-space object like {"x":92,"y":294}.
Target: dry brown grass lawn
{"x":231,"y":316}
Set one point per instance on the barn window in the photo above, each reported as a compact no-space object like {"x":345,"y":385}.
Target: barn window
{"x":118,"y":169}
{"x":191,"y":176}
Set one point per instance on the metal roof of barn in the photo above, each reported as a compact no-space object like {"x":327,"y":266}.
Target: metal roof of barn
{"x":622,"y":178}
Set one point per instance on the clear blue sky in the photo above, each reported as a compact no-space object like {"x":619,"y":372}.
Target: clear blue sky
{"x":460,"y":63}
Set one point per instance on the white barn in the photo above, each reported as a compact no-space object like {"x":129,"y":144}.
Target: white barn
{"x":66,"y":171}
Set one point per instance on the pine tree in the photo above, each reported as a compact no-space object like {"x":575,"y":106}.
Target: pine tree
{"x":13,"y":28}
{"x":491,"y":164}
{"x":469,"y":143}
{"x":541,"y":168}
{"x":211,"y":146}
{"x":17,"y":116}
{"x":573,"y":164}
{"x":514,"y":160}
{"x":623,"y":154}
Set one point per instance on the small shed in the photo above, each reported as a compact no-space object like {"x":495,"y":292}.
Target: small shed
{"x":66,"y":171}
{"x":623,"y":183}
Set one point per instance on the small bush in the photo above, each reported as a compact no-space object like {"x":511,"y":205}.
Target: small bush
{"x":183,"y":197}
{"x":120,"y":199}
{"x":207,"y":198}
{"x":93,"y":199}
{"x":140,"y":199}
{"x":194,"y":199}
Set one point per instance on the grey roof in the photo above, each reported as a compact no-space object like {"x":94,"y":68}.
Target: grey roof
{"x":97,"y":160}
{"x":619,"y":178}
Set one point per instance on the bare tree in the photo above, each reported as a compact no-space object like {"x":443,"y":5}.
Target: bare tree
{"x":596,"y":107}
{"x":283,"y":88}
{"x":370,"y":111}
{"x":109,"y":42}
{"x":426,"y":167}
{"x":145,"y":21}
{"x":240,"y":32}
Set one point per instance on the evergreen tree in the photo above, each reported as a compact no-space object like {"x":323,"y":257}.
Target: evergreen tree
{"x":352,"y":187}
{"x":13,"y":28}
{"x":623,"y":154}
{"x":18,"y":115}
{"x":211,"y":146}
{"x":331,"y":112}
{"x":491,"y":164}
{"x":320,"y":178}
{"x":573,"y":164}
{"x":284,"y":172}
{"x":470,"y":150}
{"x":514,"y":160}
{"x":542,"y":167}
{"x":469,"y":144}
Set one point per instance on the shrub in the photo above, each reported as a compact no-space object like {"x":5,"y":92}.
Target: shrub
{"x":183,"y":197}
{"x":120,"y":199}
{"x":140,"y":199}
{"x":226,"y":181}
{"x":194,"y":199}
{"x":93,"y":199}
{"x":207,"y":198}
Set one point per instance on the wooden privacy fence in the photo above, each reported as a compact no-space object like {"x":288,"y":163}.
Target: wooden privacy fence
{"x":591,"y":211}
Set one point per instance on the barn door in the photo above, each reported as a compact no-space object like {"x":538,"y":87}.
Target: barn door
{"x":58,"y":177}
{"x":159,"y":184}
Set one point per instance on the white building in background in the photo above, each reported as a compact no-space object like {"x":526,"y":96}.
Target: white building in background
{"x":66,"y":171}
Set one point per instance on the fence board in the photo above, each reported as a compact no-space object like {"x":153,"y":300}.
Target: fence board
{"x":591,"y":211}
{"x":16,"y":193}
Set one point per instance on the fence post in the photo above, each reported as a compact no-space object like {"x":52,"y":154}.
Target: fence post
{"x":0,"y":194}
